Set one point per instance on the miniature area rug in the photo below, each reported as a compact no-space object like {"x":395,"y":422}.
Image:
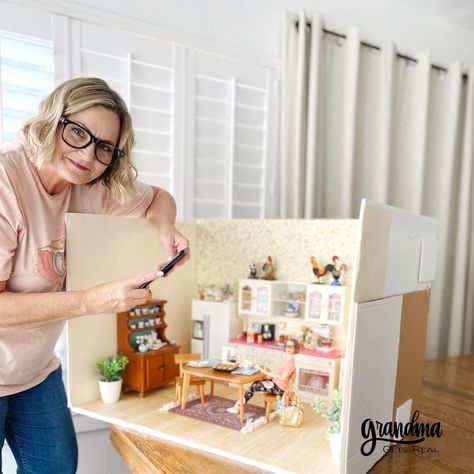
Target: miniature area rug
{"x":214,"y":410}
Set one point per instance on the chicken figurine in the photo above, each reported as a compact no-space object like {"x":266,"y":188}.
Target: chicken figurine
{"x":252,"y":271}
{"x":268,"y":268}
{"x":337,"y":271}
{"x":320,"y":271}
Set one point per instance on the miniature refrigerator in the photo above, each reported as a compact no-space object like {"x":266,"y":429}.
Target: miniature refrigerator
{"x":213,"y":325}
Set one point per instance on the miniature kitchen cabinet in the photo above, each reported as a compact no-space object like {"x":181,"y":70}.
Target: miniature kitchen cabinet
{"x":326,"y":304}
{"x":321,"y":304}
{"x":255,"y":297}
{"x":155,"y":367}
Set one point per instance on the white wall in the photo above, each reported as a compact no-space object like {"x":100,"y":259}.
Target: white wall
{"x":253,"y":26}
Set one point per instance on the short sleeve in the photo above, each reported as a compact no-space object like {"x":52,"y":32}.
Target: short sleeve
{"x":97,"y":200}
{"x":135,"y":207}
{"x":8,"y":233}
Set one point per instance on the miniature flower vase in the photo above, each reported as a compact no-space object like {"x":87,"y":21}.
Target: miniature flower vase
{"x":110,"y":391}
{"x":335,"y":446}
{"x":142,"y":347}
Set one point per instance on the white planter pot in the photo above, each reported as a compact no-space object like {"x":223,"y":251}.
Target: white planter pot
{"x":335,"y":445}
{"x":110,"y":391}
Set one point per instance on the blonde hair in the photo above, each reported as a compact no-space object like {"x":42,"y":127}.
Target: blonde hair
{"x":70,"y":97}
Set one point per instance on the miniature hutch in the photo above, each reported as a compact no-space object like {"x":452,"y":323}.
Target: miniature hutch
{"x":143,"y":328}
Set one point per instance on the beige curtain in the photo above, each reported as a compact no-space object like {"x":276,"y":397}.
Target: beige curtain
{"x":359,"y":122}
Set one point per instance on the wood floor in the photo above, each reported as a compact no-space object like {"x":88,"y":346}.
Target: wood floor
{"x":271,"y":448}
{"x":448,"y":397}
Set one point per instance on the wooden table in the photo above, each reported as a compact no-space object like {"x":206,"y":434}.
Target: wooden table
{"x":223,"y":377}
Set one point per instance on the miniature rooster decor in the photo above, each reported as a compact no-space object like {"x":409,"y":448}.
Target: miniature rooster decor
{"x":268,"y":269}
{"x":337,"y":271}
{"x":320,"y":271}
{"x":331,"y":268}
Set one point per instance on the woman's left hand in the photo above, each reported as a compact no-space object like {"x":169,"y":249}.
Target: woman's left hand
{"x":173,"y":241}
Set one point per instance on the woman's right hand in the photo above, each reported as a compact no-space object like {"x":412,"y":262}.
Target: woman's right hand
{"x":120,"y":295}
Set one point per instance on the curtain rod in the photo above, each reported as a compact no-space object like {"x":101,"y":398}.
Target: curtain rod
{"x":377,"y":48}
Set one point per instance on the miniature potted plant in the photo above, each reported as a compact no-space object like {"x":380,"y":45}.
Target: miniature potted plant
{"x":332,"y":413}
{"x":110,"y":371}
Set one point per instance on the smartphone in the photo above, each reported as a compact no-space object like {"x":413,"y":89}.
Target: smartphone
{"x":168,"y":266}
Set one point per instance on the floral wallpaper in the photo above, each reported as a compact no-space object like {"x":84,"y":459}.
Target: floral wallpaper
{"x":225,"y":248}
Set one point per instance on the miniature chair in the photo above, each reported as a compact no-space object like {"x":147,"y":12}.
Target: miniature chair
{"x":270,"y":398}
{"x":182,"y":359}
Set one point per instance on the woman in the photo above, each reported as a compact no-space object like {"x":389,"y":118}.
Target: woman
{"x":276,"y":383}
{"x":74,"y":156}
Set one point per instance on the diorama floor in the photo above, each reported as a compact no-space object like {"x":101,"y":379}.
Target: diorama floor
{"x":271,"y":447}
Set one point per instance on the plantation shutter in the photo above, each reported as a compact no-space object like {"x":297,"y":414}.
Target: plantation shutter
{"x":142,"y":71}
{"x":26,"y":76}
{"x":232,"y":136}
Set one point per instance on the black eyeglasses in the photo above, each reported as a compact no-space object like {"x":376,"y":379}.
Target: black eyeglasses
{"x":77,"y":136}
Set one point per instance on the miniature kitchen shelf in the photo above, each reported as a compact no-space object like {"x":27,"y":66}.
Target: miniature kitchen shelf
{"x":316,"y":303}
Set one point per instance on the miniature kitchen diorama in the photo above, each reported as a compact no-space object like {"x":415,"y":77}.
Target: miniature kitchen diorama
{"x":244,"y":294}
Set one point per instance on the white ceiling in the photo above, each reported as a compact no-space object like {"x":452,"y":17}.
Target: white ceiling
{"x":460,"y":12}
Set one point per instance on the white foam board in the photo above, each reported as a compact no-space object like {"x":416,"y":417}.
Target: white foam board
{"x":396,"y":249}
{"x":373,"y":376}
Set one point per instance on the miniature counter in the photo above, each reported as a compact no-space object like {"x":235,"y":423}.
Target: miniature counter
{"x":332,"y":354}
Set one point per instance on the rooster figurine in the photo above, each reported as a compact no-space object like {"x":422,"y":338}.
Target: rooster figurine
{"x":267,"y":270}
{"x":320,"y":271}
{"x":336,"y":272}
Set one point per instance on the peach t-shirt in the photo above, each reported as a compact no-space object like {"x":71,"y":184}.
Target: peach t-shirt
{"x":288,"y":365}
{"x":32,"y":238}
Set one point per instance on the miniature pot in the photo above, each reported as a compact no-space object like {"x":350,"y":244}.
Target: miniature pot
{"x":110,"y":391}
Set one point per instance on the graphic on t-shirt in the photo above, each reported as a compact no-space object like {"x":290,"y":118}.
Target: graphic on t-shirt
{"x":50,"y":263}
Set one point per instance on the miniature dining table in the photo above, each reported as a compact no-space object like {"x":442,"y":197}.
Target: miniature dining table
{"x":211,"y":374}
